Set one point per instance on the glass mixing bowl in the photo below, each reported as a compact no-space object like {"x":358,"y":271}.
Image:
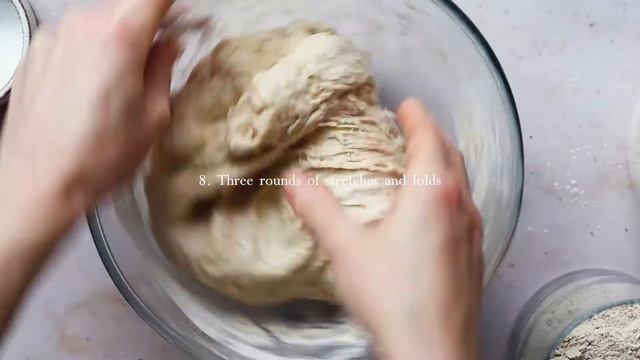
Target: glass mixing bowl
{"x":428,"y":49}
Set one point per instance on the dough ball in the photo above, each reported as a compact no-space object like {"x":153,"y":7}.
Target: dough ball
{"x":297,"y":97}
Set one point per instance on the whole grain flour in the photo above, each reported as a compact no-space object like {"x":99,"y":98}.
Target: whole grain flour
{"x":613,"y":334}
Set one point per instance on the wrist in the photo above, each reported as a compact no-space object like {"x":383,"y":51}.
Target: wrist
{"x":32,"y":214}
{"x":420,"y":345}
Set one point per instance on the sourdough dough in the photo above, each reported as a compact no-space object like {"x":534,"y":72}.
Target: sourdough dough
{"x":296,"y":97}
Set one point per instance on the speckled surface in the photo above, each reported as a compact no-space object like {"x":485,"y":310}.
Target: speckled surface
{"x":573,"y":66}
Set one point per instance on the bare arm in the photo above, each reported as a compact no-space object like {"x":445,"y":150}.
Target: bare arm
{"x":29,"y":228}
{"x":88,"y":101}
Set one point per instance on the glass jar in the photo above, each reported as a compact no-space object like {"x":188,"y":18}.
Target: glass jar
{"x":563,"y":304}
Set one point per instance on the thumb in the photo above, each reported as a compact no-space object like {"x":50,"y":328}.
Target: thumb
{"x":323,"y":217}
{"x":157,"y":84}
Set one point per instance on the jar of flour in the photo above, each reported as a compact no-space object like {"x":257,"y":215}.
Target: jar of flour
{"x":584,"y":315}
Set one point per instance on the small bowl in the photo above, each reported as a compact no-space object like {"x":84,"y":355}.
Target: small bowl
{"x":563,"y":304}
{"x":427,"y":49}
{"x":17,"y":25}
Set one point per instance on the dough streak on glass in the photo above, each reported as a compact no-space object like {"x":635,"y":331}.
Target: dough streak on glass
{"x":297,"y":97}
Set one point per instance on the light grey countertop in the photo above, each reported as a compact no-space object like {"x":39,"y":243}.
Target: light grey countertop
{"x":573,"y":66}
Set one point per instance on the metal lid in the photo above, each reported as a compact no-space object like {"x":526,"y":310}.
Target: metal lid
{"x":17,"y":23}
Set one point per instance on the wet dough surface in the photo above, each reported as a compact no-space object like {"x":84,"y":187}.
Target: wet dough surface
{"x":259,"y":104}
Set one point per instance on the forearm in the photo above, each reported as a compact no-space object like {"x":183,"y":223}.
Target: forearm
{"x":28,"y":234}
{"x":18,"y":267}
{"x":438,"y":344}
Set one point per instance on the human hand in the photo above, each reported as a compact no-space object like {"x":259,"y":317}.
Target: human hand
{"x":414,"y":279}
{"x":87,"y":103}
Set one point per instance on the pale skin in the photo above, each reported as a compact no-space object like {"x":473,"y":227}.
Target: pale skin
{"x":413,"y":280}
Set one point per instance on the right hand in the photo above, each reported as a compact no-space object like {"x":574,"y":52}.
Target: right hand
{"x":414,"y":279}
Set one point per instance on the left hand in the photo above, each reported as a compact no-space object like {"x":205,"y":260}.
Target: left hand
{"x":87,"y":103}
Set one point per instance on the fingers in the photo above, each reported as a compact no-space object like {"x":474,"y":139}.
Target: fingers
{"x":135,"y":24}
{"x":431,"y":152}
{"x":426,"y":143}
{"x":144,"y":17}
{"x":477,"y":258}
{"x":427,"y":152}
{"x":323,"y":216}
{"x":158,"y":85}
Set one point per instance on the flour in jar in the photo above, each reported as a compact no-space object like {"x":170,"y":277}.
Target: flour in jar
{"x":613,"y":334}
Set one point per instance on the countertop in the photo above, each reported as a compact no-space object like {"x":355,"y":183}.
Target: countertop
{"x":573,"y":66}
